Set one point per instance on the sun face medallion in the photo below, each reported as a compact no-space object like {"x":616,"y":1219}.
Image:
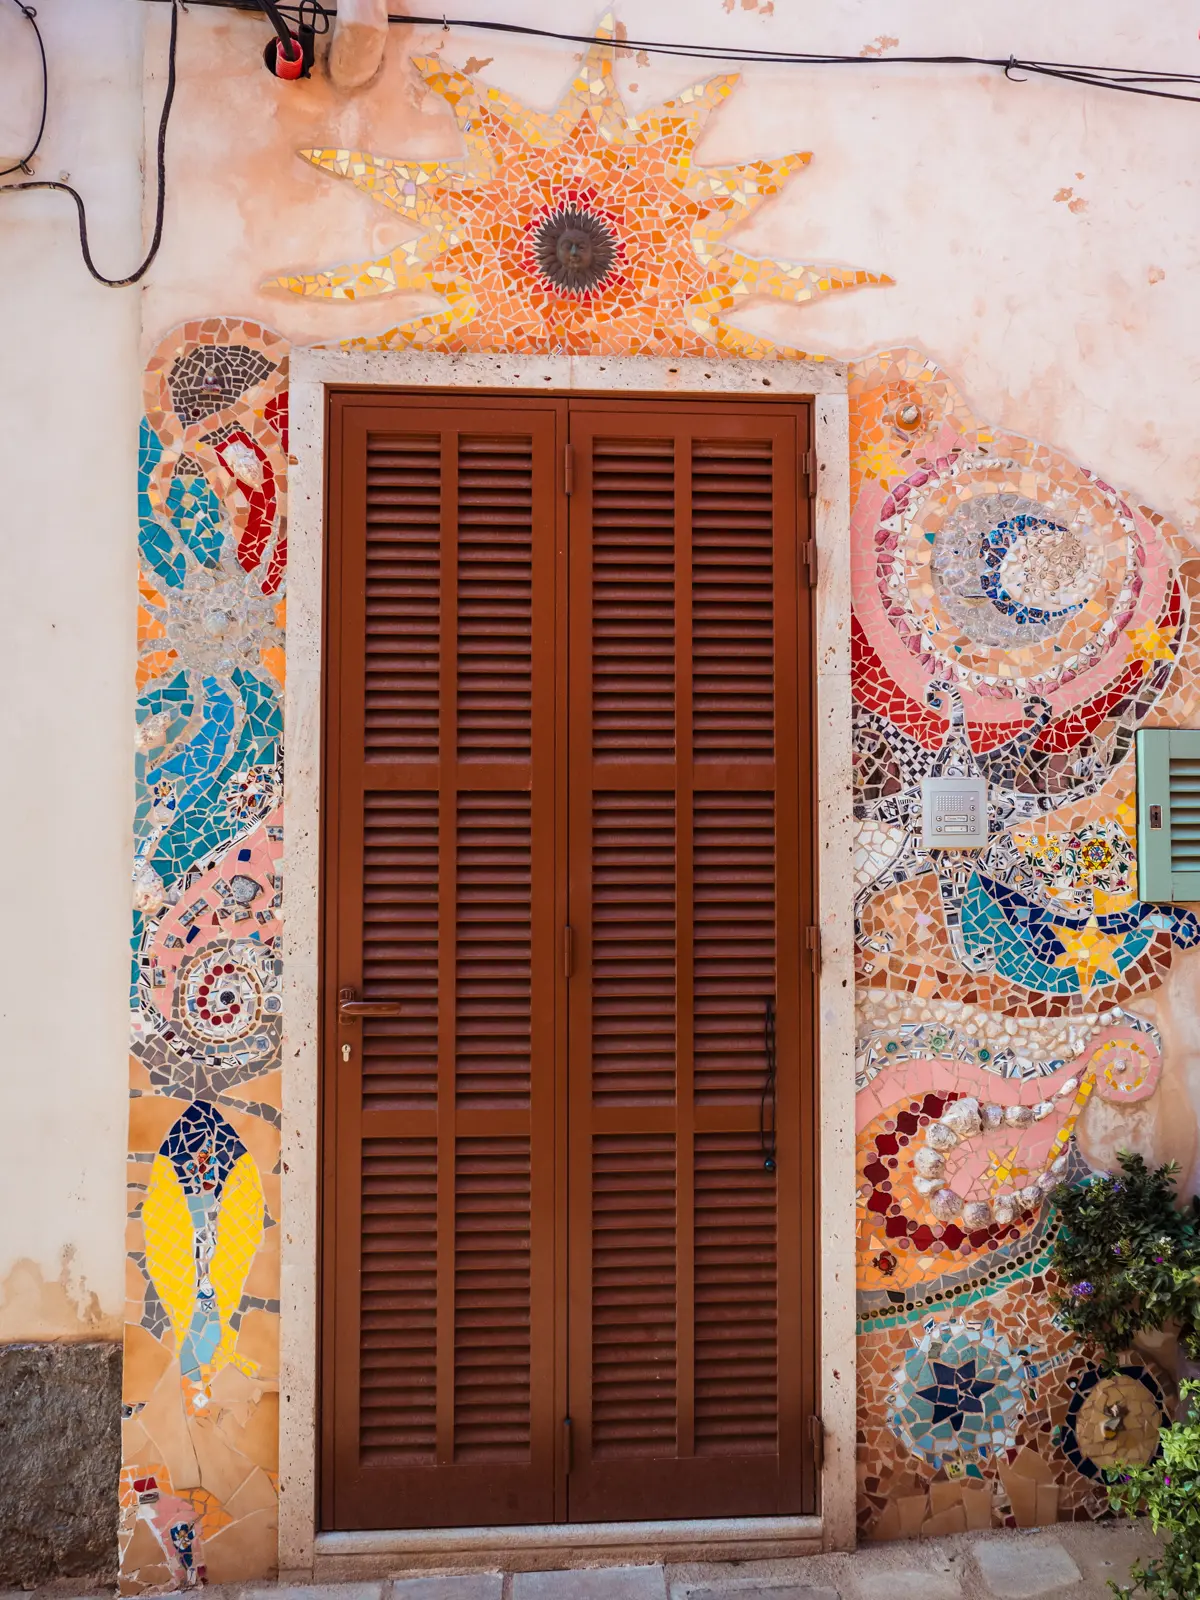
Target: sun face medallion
{"x":574,"y":251}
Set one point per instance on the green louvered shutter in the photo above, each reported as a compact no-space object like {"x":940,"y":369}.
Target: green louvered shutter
{"x":1168,"y":781}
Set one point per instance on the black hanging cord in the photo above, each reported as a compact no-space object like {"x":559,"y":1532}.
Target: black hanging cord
{"x":66,"y":188}
{"x":766,"y":1120}
{"x":310,"y":13}
{"x":23,"y":165}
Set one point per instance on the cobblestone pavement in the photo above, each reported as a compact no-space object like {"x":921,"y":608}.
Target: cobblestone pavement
{"x":1072,"y":1561}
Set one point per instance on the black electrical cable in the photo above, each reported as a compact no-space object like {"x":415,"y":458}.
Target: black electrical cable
{"x":271,"y":11}
{"x":1129,"y":80}
{"x":134,"y":277}
{"x":1099,"y":77}
{"x":23,"y":165}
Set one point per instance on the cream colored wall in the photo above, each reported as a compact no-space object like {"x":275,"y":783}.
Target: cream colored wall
{"x":69,"y":402}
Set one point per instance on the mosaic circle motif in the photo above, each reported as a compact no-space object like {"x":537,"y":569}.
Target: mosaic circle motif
{"x":959,"y":1393}
{"x":222,"y":996}
{"x":1126,"y":1067}
{"x":1006,"y":576}
{"x":225,"y":1017}
{"x":575,"y":251}
{"x":1113,"y":1420}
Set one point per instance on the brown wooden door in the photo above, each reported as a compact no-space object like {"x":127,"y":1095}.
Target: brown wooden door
{"x":439,"y":1283}
{"x":690,"y":1348}
{"x":567,"y":836}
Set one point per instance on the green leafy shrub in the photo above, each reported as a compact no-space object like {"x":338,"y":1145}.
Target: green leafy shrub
{"x":1127,"y":1259}
{"x":1168,"y":1491}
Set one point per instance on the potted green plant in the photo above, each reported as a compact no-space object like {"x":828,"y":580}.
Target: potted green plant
{"x":1128,"y":1259}
{"x":1128,"y":1262}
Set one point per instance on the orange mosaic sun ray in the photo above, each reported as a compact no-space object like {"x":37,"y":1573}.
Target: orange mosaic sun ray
{"x":622,"y":187}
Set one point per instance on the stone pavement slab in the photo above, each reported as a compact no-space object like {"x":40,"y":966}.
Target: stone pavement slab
{"x":599,"y":1583}
{"x":931,"y":1580}
{"x":467,"y":1586}
{"x":310,"y":1591}
{"x":1024,"y":1568}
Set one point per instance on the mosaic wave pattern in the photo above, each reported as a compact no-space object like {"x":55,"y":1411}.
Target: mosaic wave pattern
{"x":201,"y":1391}
{"x":1015,"y":618}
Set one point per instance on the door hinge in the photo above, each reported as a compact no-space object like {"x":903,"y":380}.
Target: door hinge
{"x":568,"y":951}
{"x":568,"y":1446}
{"x":568,"y":468}
{"x":816,"y":1432}
{"x":812,"y":939}
{"x":808,"y":466}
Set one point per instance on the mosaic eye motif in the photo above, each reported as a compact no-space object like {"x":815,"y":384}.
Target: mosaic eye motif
{"x":224,"y":998}
{"x":574,"y":250}
{"x":1010,"y":574}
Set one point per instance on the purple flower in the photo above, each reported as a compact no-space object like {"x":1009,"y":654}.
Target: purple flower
{"x":1082,"y":1291}
{"x":1158,"y":1258}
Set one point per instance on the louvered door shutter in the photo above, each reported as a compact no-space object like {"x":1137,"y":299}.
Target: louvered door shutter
{"x":438,"y":1384}
{"x":692,"y":1309}
{"x":1168,"y":807}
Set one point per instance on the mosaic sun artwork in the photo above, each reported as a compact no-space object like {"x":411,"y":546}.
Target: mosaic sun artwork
{"x":1016,"y":618}
{"x":585,"y":229}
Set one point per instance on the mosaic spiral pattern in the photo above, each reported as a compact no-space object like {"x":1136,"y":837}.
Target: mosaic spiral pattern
{"x":1015,"y":618}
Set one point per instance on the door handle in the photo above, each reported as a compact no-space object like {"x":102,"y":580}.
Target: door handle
{"x":349,"y":1007}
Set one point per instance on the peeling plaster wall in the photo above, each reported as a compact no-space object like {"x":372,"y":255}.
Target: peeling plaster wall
{"x":1042,"y":245}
